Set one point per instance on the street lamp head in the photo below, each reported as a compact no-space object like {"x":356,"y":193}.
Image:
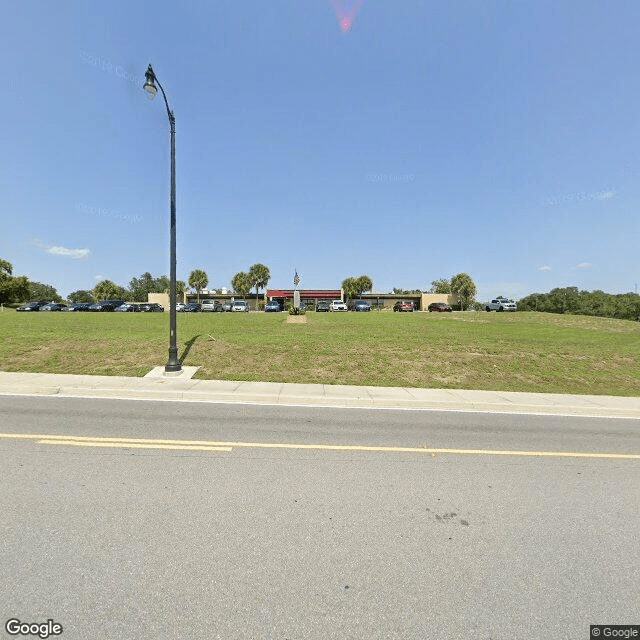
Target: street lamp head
{"x":149,"y":85}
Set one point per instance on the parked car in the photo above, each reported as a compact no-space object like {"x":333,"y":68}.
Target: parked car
{"x":439,"y":306}
{"x":192,"y":307}
{"x":78,"y":306}
{"x":106,"y":305}
{"x":403,"y":305}
{"x":227,"y":306}
{"x":151,"y":307}
{"x":34,"y":305}
{"x":240,"y":305}
{"x":53,"y":306}
{"x":323,"y":305}
{"x":272,"y":305}
{"x":501,"y":304}
{"x":212,"y":305}
{"x":128,"y":307}
{"x":180,"y":306}
{"x":359,"y":305}
{"x":337,"y":305}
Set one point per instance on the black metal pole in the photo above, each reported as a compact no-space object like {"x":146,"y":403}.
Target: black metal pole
{"x":173,"y":364}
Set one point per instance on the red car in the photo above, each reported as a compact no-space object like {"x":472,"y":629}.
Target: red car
{"x":439,"y":306}
{"x":402,"y":305}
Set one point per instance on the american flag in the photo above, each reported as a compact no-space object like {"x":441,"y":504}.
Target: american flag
{"x":296,"y":279}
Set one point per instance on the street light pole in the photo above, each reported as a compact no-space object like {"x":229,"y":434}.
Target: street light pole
{"x":173,"y":364}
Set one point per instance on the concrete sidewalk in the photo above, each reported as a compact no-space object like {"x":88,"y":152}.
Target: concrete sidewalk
{"x":320,"y":395}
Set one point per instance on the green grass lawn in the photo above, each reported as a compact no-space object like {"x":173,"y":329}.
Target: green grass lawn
{"x":512,"y":352}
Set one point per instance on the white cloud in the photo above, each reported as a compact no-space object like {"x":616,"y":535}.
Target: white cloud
{"x":99,"y":277}
{"x":583,"y":265}
{"x":76,"y":254}
{"x":605,"y":195}
{"x":544,"y":268}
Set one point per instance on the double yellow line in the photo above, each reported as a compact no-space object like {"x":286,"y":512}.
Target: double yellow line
{"x":122,"y":443}
{"x":205,"y":445}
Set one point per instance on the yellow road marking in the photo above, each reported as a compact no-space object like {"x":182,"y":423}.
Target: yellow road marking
{"x":213,"y":445}
{"x":130,"y":445}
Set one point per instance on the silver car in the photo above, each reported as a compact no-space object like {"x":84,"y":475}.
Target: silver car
{"x":501,"y":304}
{"x":211,"y":305}
{"x":240,"y":305}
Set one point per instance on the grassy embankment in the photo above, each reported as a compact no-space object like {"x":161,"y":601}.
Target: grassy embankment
{"x":510,"y":352}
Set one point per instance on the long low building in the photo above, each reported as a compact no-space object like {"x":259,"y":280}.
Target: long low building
{"x":311,"y":297}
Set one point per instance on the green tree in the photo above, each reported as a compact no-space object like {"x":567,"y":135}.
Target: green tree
{"x":141,"y":287}
{"x":242,"y":283}
{"x":442,"y":285}
{"x":260,"y":276}
{"x":80,"y":296}
{"x":12,"y":288}
{"x":625,"y":306}
{"x":464,"y":288}
{"x":350,"y":287}
{"x":6,"y":268}
{"x":181,"y":287}
{"x":198,"y":280}
{"x":364,"y":283}
{"x":106,"y":290}
{"x":354,"y":287}
{"x":40,"y":291}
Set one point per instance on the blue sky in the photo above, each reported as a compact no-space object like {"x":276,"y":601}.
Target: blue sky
{"x":496,"y":138}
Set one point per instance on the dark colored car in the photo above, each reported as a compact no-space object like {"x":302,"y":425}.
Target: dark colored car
{"x":439,"y":306}
{"x":106,"y":305}
{"x":151,"y":307}
{"x":192,"y":307}
{"x":323,"y":305}
{"x":53,"y":306}
{"x":34,"y":305}
{"x":403,"y":305}
{"x":272,"y":305}
{"x":128,"y":307}
{"x":359,"y":305}
{"x":78,"y":306}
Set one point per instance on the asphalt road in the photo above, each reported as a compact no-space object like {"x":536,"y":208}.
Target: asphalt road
{"x":287,"y":523}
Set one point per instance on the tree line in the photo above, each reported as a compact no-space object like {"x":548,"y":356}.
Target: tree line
{"x":20,"y":288}
{"x":17,"y":289}
{"x":624,"y":306}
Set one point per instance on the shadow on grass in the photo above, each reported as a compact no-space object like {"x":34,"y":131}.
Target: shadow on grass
{"x":187,"y":347}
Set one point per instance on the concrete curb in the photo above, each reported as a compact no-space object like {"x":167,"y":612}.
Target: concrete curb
{"x":317,"y":395}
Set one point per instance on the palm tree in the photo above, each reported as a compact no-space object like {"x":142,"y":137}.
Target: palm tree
{"x":198,"y":280}
{"x":259,"y":275}
{"x":241,"y":283}
{"x":181,"y":287}
{"x":353,"y":287}
{"x":364,"y":284}
{"x":350,"y":288}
